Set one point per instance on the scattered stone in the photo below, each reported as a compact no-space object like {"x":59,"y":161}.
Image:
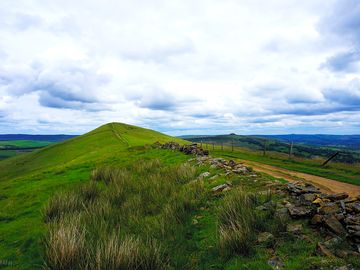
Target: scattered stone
{"x":334,"y":225}
{"x":282,"y":213}
{"x":220,"y":188}
{"x":299,"y":211}
{"x":356,"y":207}
{"x":294,"y":228}
{"x":330,"y":208}
{"x":265,"y":237}
{"x":308,"y":197}
{"x":316,"y":219}
{"x":276,"y":263}
{"x":322,"y":250}
{"x":345,"y":267}
{"x":204,"y":175}
{"x":337,"y":196}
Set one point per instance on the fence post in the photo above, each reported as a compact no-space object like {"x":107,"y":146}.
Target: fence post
{"x":291,"y":149}
{"x":213,"y":146}
{"x":264,"y":150}
{"x":222,"y":146}
{"x":232,"y":145}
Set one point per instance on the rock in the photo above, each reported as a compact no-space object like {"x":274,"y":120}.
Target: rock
{"x":340,"y":217}
{"x":231,"y":163}
{"x":317,"y":201}
{"x":344,"y":267}
{"x":308,"y":197}
{"x":353,"y":228}
{"x":276,"y":263}
{"x":171,"y":145}
{"x":330,"y":208}
{"x":265,"y":237}
{"x":337,"y":196}
{"x":294,"y":228}
{"x":220,"y":188}
{"x":204,"y":175}
{"x":334,"y":225}
{"x":322,"y":250}
{"x":316,"y":219}
{"x":299,"y":211}
{"x":356,"y":207}
{"x":352,"y":220}
{"x":282,"y":213}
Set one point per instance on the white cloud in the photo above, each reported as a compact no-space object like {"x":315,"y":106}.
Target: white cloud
{"x":179,"y":66}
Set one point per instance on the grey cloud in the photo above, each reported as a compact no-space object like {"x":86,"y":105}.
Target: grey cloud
{"x":342,"y":19}
{"x":343,"y":61}
{"x":156,"y":99}
{"x":342,"y":23}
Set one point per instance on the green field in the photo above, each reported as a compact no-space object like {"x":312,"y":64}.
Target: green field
{"x":24,"y":144}
{"x":349,"y":173}
{"x":164,"y":215}
{"x":13,"y":148}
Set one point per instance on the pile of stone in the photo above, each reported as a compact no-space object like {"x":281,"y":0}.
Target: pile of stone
{"x":170,"y":145}
{"x":193,"y":149}
{"x":230,"y":166}
{"x":337,"y":214}
{"x":189,"y":149}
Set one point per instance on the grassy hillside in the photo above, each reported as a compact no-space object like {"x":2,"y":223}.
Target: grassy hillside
{"x":27,"y":181}
{"x":109,"y":200}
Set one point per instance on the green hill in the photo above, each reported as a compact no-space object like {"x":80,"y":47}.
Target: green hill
{"x":27,"y":181}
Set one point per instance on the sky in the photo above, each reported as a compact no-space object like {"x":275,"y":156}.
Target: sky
{"x":180,"y":66}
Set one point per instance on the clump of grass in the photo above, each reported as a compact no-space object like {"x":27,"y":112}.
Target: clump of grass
{"x":184,"y":173}
{"x":89,"y":192}
{"x":114,"y":254}
{"x":65,"y":245}
{"x":237,"y":218}
{"x":128,"y":253}
{"x":61,"y":204}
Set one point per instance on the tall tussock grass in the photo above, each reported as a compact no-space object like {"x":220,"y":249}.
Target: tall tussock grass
{"x":238,"y":221}
{"x":118,"y":215}
{"x":65,"y":245}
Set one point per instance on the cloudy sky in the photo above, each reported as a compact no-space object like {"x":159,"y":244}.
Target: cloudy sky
{"x":180,"y":67}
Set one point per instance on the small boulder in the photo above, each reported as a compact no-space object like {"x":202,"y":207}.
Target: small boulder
{"x":299,"y":211}
{"x":204,"y":175}
{"x":334,"y":225}
{"x":329,"y":208}
{"x":322,"y":250}
{"x":294,"y":228}
{"x":276,"y":263}
{"x":265,"y":237}
{"x":337,"y":196}
{"x":220,"y":188}
{"x":316,"y":219}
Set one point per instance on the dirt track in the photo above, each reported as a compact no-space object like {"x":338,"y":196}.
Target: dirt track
{"x":326,"y":185}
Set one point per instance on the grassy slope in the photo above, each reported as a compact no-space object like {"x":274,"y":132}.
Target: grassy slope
{"x":27,"y":181}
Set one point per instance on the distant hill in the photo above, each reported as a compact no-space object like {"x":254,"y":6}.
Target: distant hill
{"x":307,"y":146}
{"x":28,"y":137}
{"x":348,"y":141}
